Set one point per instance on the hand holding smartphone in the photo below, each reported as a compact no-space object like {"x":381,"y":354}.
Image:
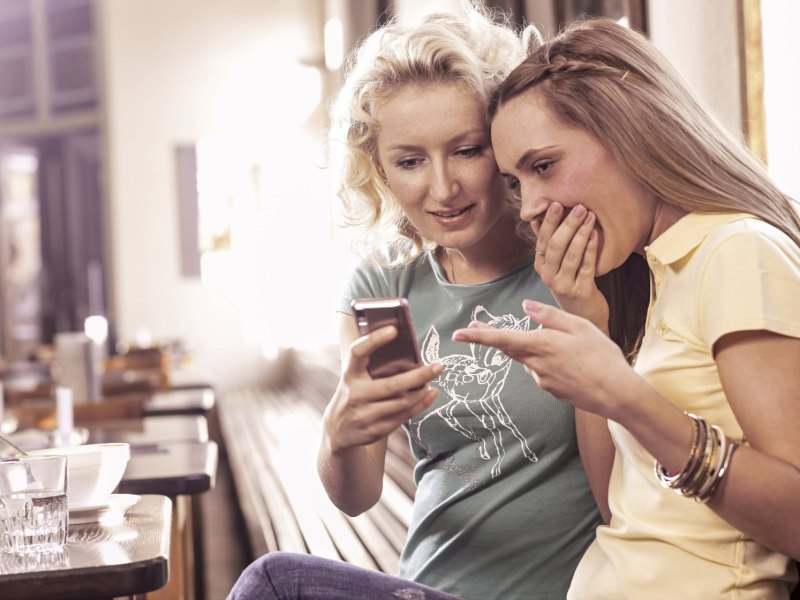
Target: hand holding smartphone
{"x":400,"y":354}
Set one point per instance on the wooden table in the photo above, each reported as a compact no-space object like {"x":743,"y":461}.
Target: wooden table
{"x":150,"y":430}
{"x":99,"y":561}
{"x":171,"y":468}
{"x":173,"y":456}
{"x":140,"y":433}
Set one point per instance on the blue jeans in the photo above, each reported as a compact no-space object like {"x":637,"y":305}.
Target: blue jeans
{"x":290,"y":576}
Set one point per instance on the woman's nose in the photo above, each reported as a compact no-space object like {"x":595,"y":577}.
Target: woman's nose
{"x":532,"y":203}
{"x":444,"y":184}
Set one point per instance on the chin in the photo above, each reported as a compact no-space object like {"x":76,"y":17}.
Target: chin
{"x":605,"y":265}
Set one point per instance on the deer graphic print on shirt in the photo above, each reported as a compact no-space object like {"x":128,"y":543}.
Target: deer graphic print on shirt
{"x":472,"y":385}
{"x":489,"y":518}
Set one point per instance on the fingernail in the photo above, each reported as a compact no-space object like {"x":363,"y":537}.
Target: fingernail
{"x":554,"y":208}
{"x":589,"y":220}
{"x":438,"y":368}
{"x":530,"y":306}
{"x":579,"y":211}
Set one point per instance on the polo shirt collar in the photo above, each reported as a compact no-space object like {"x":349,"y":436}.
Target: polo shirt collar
{"x":686,"y":234}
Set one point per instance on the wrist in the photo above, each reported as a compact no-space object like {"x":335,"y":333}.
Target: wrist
{"x":628,"y":401}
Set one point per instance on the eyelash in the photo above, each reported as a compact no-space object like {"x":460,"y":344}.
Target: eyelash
{"x":406,"y":163}
{"x":540,"y":168}
{"x":471,"y":152}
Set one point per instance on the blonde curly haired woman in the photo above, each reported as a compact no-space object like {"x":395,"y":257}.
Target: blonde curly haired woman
{"x":503,"y":507}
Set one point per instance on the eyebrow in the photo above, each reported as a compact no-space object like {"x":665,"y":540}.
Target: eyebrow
{"x":529,"y":155}
{"x":456,"y":139}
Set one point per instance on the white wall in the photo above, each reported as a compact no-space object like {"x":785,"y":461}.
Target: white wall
{"x":176,"y":71}
{"x":782,"y":91}
{"x":701,"y":39}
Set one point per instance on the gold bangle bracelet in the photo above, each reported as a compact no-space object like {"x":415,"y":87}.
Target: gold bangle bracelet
{"x":720,"y":449}
{"x":692,"y":485}
{"x":731,"y":448}
{"x":672,"y":480}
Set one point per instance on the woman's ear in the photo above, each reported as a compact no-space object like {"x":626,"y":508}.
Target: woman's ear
{"x":382,"y":173}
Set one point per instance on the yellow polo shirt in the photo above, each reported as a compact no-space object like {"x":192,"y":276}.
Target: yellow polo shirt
{"x":712,"y":274}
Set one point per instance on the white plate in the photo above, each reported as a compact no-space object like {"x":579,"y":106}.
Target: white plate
{"x":116,"y":502}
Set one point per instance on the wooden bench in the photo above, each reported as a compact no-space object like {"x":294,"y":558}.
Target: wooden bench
{"x":271,"y":436}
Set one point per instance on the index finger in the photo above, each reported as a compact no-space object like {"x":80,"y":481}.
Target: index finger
{"x":363,"y":347}
{"x":546,"y":228}
{"x":411,"y":380}
{"x":508,"y":340}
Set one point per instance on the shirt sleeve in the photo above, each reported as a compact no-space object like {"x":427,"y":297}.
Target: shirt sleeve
{"x":751,"y":281}
{"x":366,"y":281}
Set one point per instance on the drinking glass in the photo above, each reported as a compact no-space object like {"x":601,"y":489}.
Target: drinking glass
{"x":33,"y":504}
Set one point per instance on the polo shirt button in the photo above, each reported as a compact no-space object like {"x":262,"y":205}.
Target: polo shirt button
{"x":661,"y":327}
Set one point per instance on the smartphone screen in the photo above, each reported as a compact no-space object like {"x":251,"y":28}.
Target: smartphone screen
{"x":402,"y":353}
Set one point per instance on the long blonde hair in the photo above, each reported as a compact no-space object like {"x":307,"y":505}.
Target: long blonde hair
{"x":474,"y":49}
{"x":614,"y":84}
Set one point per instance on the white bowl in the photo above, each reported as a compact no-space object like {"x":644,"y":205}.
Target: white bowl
{"x":93,"y":472}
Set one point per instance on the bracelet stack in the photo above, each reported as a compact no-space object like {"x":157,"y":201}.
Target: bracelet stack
{"x":706,"y":466}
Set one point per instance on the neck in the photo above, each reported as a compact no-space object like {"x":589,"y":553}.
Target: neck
{"x":665,"y":217}
{"x":477,"y":267}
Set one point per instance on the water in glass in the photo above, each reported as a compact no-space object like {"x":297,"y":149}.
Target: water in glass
{"x":33,"y":521}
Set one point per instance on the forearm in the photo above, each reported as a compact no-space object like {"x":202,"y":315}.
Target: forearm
{"x":759,"y":492}
{"x":352,"y":477}
{"x":759,"y":496}
{"x":597,"y":455}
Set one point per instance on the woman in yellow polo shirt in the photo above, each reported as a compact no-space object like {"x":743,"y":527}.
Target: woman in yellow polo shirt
{"x":624,"y":176}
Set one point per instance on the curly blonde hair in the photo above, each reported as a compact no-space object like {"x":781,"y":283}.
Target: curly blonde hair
{"x":474,"y":48}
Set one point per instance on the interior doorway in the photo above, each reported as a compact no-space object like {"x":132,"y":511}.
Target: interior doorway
{"x":52,"y":246}
{"x":20,"y":253}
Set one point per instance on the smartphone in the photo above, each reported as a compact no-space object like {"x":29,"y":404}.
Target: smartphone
{"x":402,"y":353}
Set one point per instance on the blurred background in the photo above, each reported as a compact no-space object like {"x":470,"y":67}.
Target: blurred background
{"x":162,"y":172}
{"x":164,"y":193}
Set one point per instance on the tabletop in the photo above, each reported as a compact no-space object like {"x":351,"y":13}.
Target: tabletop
{"x":170,"y":455}
{"x":148,"y":430}
{"x":143,"y":432}
{"x":125,"y":557}
{"x":171,"y":468}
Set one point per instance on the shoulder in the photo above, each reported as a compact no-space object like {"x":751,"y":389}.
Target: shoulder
{"x":750,"y":242}
{"x":748,"y":278}
{"x":370,"y":280}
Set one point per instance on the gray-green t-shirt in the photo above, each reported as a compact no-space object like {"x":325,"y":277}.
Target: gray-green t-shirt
{"x":503,"y":508}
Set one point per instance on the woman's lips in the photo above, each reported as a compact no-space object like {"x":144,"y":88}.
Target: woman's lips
{"x":452,"y":217}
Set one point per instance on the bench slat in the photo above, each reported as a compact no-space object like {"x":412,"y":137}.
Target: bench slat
{"x":272,"y":436}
